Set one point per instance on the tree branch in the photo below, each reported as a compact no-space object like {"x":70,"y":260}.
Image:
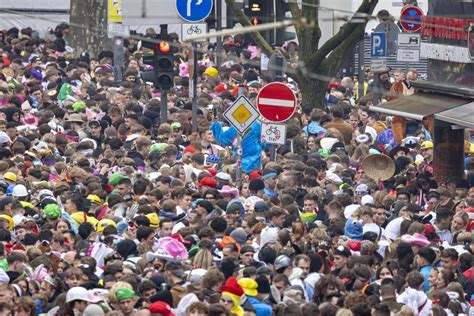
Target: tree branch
{"x":296,"y":14}
{"x":256,"y":36}
{"x":331,"y":63}
{"x":367,"y":6}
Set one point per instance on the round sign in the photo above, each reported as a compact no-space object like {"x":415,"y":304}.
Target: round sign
{"x":410,"y":18}
{"x":194,"y":11}
{"x":276,"y":102}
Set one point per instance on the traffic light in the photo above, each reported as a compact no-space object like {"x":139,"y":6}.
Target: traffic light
{"x":256,"y":7}
{"x":165,"y":64}
{"x":282,"y":13}
{"x":211,"y":20}
{"x":259,"y":12}
{"x":162,"y":61}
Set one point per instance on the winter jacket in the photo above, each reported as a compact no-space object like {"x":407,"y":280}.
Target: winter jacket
{"x":251,"y":146}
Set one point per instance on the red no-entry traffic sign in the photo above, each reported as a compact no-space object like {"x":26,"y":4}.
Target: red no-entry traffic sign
{"x":276,"y":102}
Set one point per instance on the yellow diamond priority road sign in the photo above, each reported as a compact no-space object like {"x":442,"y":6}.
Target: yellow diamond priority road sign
{"x":241,"y":114}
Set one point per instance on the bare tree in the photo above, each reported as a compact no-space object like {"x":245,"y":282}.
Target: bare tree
{"x":315,"y":63}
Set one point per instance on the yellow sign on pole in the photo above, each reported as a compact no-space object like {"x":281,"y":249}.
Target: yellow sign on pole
{"x":241,"y":114}
{"x":115,"y":11}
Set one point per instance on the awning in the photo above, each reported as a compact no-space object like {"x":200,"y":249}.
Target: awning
{"x":419,"y":106}
{"x":462,"y":115}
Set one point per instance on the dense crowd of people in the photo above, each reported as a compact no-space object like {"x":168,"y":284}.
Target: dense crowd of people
{"x":105,"y":211}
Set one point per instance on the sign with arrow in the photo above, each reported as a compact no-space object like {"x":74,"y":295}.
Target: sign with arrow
{"x":194,"y":10}
{"x":378,"y":44}
{"x":410,"y":18}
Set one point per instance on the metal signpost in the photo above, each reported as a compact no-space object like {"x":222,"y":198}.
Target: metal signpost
{"x":276,"y":102}
{"x":193,"y":12}
{"x":361,"y":79}
{"x":378,"y":50}
{"x":193,"y":85}
{"x":241,"y":115}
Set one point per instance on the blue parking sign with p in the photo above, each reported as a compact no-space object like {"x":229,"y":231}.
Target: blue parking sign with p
{"x":194,"y":10}
{"x":378,"y":44}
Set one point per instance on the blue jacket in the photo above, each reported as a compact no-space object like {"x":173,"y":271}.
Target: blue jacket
{"x":261,"y":309}
{"x":251,"y":146}
{"x":426,"y":275}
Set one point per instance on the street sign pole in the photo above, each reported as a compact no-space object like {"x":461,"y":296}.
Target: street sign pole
{"x":238,"y":169}
{"x":376,"y":91}
{"x":218,"y":11}
{"x":118,"y":58}
{"x":195,"y":80}
{"x":273,"y":152}
{"x":361,"y":80}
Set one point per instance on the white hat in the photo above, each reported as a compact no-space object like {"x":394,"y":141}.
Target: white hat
{"x":19,"y":191}
{"x":177,"y":227}
{"x":361,"y":189}
{"x":40,"y":146}
{"x":183,"y":304}
{"x":334,"y":178}
{"x":367,"y":199}
{"x":371,"y":131}
{"x":45,"y":193}
{"x":350,"y":209}
{"x":26,"y":106}
{"x":362,"y":138}
{"x":410,"y":140}
{"x":223,"y":176}
{"x":250,"y":202}
{"x":93,"y":310}
{"x":328,"y":142}
{"x":195,"y":276}
{"x":269,"y":234}
{"x":79,"y":293}
{"x":18,"y":219}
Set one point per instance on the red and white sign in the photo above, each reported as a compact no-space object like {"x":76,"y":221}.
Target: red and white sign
{"x":410,"y":18}
{"x":276,"y":102}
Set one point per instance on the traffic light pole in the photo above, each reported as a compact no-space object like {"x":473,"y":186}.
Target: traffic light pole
{"x":164,"y":107}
